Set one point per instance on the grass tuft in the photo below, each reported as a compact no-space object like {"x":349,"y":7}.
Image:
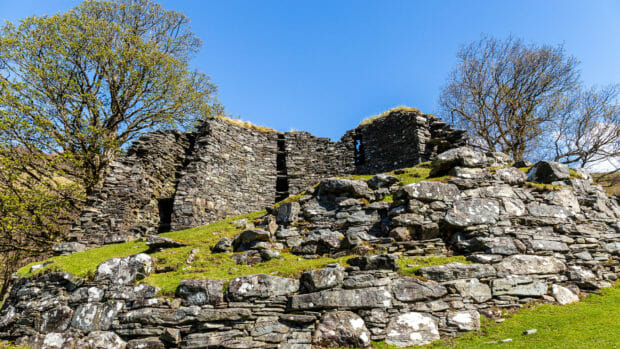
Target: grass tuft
{"x":401,"y":108}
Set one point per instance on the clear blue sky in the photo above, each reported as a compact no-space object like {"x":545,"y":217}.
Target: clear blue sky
{"x":323,"y":66}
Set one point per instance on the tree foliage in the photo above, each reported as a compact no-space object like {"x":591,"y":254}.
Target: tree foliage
{"x":528,"y":101}
{"x":83,"y":83}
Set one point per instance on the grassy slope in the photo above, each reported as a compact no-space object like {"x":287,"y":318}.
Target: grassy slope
{"x":209,"y":265}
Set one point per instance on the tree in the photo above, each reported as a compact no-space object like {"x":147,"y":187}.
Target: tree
{"x":586,"y":130}
{"x":505,"y":93}
{"x":82,"y":84}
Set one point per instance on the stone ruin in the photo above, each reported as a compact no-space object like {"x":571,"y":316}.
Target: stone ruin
{"x":169,"y":180}
{"x":525,"y":243}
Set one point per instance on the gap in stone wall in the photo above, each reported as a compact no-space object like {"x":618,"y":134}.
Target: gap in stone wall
{"x":165,"y":214}
{"x":282,"y":188}
{"x":359,"y":150}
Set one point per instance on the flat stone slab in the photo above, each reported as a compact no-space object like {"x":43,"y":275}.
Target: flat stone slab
{"x":372,"y":297}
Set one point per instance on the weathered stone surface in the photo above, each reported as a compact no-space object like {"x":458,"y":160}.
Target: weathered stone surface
{"x":518,"y":286}
{"x":454,"y":271}
{"x":381,"y":180}
{"x":223,"y":245}
{"x":530,"y":264}
{"x":372,"y":297}
{"x":146,"y":343}
{"x":102,"y":340}
{"x":498,"y":245}
{"x":250,"y":257}
{"x":548,"y":245}
{"x":463,"y":156}
{"x":411,"y":329}
{"x":261,"y":286}
{"x":342,"y":187}
{"x":125,"y":271}
{"x":209,"y":339}
{"x":56,"y":320}
{"x":563,"y":295}
{"x":467,"y":320}
{"x":465,"y":213}
{"x":511,"y":175}
{"x":341,"y":329}
{"x":182,"y":316}
{"x":201,"y":292}
{"x":288,"y":212}
{"x":471,"y":288}
{"x":65,"y":248}
{"x":548,"y":172}
{"x":248,"y":238}
{"x":378,"y":262}
{"x":316,"y":280}
{"x":409,"y":289}
{"x":429,"y":191}
{"x":155,"y":242}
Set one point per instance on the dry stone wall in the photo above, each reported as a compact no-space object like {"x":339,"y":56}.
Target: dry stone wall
{"x":524,"y":244}
{"x":173,"y":180}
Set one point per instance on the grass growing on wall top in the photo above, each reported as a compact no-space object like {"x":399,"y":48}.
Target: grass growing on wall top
{"x":401,"y":108}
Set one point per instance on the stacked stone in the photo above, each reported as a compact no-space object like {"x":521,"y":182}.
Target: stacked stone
{"x":127,"y":205}
{"x":310,"y":159}
{"x":404,"y":139}
{"x":232,"y":171}
{"x":224,"y":169}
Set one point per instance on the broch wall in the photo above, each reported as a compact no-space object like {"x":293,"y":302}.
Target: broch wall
{"x":172,"y":180}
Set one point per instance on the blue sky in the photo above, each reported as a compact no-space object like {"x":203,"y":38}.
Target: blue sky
{"x":323,"y":66}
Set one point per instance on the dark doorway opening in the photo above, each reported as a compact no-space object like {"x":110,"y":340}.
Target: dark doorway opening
{"x":359,"y":150}
{"x":165,"y":214}
{"x":282,"y":174}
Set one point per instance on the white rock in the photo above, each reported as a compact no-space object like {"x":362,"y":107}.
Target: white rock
{"x":410,"y":329}
{"x":563,"y":295}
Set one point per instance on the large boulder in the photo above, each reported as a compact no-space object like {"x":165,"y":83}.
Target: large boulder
{"x":409,"y":289}
{"x":467,"y":157}
{"x":260,"y":286}
{"x":476,"y":211}
{"x":342,"y":187}
{"x":466,"y":320}
{"x":201,"y":292}
{"x":316,"y":280}
{"x":249,"y":238}
{"x":409,"y":329}
{"x":548,"y":172}
{"x":381,"y":180}
{"x":429,"y":191}
{"x":455,"y":271}
{"x":530,"y":264}
{"x":125,"y":271}
{"x":341,"y":329}
{"x":288,"y":213}
{"x":563,"y":295}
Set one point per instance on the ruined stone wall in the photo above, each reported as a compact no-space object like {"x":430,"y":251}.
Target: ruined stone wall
{"x":310,"y":159}
{"x":172,"y":180}
{"x":128,"y":204}
{"x":402,"y":139}
{"x":232,"y":171}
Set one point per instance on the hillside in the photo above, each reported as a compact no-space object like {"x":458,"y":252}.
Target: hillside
{"x":409,"y":257}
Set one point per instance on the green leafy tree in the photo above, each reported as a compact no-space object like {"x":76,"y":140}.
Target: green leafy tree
{"x":81,"y":84}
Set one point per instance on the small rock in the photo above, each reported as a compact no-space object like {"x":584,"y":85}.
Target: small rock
{"x":341,"y":329}
{"x":563,"y":295}
{"x":529,"y":332}
{"x":384,"y":261}
{"x":156,"y":242}
{"x":224,"y":245}
{"x":507,"y":340}
{"x":381,"y":181}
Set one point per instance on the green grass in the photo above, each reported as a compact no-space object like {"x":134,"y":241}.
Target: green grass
{"x":592,"y":323}
{"x":401,"y":108}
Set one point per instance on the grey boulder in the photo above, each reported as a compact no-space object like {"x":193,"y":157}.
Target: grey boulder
{"x":342,"y":187}
{"x":548,"y":172}
{"x":429,"y":191}
{"x":341,"y":329}
{"x":409,"y":329}
{"x":261,"y":286}
{"x":475,"y":211}
{"x":378,"y":262}
{"x":530,"y":264}
{"x":410,"y":289}
{"x":125,"y":271}
{"x":316,"y":280}
{"x":201,"y":292}
{"x":455,"y":271}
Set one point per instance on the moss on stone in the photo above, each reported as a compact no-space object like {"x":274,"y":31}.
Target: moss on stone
{"x":401,"y":108}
